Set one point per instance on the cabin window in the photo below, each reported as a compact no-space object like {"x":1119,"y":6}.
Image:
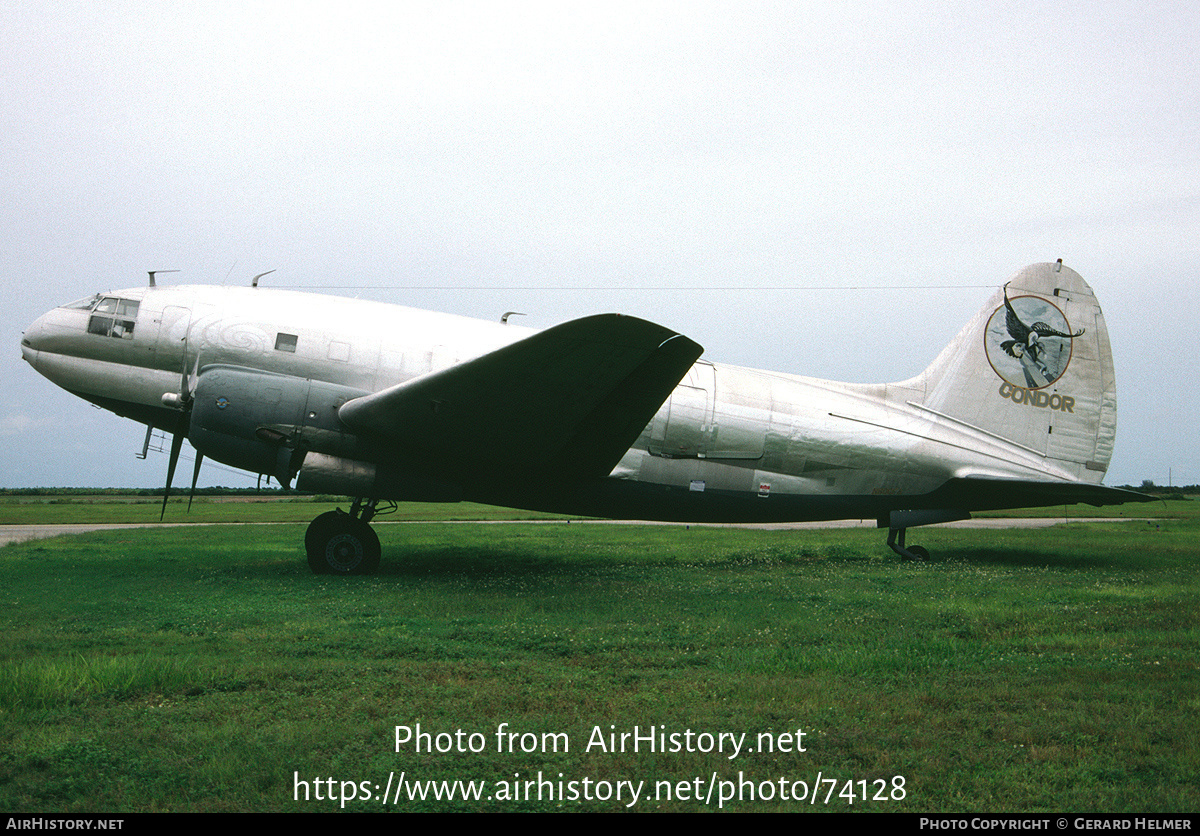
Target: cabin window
{"x":113,"y":317}
{"x":285,"y":342}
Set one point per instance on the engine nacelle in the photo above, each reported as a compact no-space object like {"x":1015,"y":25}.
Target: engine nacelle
{"x":321,"y":473}
{"x":265,"y":422}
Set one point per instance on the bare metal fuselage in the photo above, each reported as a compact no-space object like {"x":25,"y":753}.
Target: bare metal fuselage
{"x":729,"y":444}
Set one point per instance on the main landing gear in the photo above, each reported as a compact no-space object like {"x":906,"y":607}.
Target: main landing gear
{"x":340,"y":543}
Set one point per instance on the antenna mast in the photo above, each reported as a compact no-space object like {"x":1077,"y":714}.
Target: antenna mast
{"x":152,"y":272}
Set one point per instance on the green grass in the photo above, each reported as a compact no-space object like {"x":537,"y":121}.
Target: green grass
{"x":70,"y":509}
{"x":77,"y":510}
{"x":202,"y":668}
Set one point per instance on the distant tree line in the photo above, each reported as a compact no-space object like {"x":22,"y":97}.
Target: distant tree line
{"x":1178,"y":491}
{"x":176,"y":491}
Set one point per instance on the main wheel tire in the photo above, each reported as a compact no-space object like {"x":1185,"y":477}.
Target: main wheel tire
{"x":338,"y":544}
{"x":319,"y":530}
{"x":919,"y":552}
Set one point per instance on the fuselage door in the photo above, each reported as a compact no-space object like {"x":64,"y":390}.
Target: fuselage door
{"x":683,"y":427}
{"x":170,"y":348}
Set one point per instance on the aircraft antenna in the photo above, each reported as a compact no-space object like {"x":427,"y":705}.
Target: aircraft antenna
{"x":152,"y":272}
{"x":504,"y":319}
{"x":254,"y":281}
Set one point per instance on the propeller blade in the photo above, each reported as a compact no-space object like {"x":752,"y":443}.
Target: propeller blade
{"x":187,"y":385}
{"x":190,"y":380}
{"x":195,"y":476}
{"x":176,"y":446}
{"x":184,"y":392}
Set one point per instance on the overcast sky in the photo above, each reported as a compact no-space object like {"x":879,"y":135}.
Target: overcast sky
{"x":829,"y":189}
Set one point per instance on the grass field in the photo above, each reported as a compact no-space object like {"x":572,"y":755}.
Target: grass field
{"x":75,"y":510}
{"x":83,"y":509}
{"x":205,"y":669}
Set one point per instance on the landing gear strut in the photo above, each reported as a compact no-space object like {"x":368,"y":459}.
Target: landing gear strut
{"x":896,"y":541}
{"x":340,"y":543}
{"x":897,"y":522}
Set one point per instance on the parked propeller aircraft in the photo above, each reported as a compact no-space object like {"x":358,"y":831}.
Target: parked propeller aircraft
{"x":607,"y":415}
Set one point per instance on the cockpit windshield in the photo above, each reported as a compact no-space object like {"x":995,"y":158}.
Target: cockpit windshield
{"x":111,"y":316}
{"x":84,"y":304}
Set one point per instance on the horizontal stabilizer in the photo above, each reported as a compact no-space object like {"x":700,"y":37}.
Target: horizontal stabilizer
{"x":980,"y":494}
{"x":567,"y":401}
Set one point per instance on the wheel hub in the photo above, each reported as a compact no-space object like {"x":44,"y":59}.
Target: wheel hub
{"x":344,"y":552}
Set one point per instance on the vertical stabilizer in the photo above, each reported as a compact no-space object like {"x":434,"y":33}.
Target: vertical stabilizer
{"x":1034,"y":367}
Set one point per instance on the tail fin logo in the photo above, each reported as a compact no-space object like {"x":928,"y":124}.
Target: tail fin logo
{"x":1028,"y":341}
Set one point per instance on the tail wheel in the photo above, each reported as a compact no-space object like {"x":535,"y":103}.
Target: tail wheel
{"x":338,"y":544}
{"x":895,"y":542}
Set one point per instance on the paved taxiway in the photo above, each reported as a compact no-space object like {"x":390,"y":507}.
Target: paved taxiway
{"x":20,"y":533}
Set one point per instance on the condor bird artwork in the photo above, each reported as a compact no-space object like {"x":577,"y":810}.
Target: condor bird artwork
{"x":1041,"y":363}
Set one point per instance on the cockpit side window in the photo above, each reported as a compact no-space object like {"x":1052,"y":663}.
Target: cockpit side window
{"x":113,"y":317}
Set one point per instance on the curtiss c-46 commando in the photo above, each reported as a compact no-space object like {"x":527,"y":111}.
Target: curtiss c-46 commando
{"x":608,"y":415}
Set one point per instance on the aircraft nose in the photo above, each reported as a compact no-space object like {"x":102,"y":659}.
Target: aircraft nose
{"x":33,"y":340}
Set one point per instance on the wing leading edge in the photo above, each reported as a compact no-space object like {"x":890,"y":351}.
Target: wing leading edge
{"x":567,"y":401}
